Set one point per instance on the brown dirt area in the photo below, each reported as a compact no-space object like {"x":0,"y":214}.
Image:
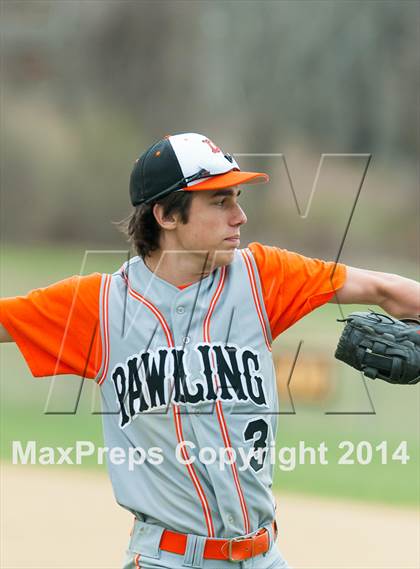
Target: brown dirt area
{"x":56,"y":519}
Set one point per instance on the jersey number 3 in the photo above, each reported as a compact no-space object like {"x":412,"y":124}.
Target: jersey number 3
{"x":257,"y":431}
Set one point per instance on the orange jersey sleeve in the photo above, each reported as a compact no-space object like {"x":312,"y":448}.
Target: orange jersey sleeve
{"x":57,"y":328}
{"x":294,"y":285}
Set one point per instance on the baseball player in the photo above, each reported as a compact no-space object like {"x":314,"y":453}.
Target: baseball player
{"x":179,"y":342}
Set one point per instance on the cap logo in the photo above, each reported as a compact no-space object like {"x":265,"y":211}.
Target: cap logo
{"x":215,"y":149}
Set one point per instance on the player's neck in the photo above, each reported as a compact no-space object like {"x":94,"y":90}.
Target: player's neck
{"x":178,"y":267}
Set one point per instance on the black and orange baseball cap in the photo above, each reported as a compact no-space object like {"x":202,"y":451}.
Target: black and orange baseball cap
{"x":188,"y":162}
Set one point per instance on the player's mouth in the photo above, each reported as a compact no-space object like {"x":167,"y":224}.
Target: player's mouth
{"x":234,"y":240}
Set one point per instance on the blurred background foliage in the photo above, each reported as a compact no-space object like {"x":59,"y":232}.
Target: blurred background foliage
{"x":88,"y":85}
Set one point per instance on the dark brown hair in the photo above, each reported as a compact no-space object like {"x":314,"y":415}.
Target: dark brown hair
{"x":141,"y":227}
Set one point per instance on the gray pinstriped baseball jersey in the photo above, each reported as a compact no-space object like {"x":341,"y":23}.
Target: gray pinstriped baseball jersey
{"x":189,"y":369}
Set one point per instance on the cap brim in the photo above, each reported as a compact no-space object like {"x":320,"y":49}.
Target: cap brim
{"x":228,"y":180}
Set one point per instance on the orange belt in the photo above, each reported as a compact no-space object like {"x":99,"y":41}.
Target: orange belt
{"x":235,"y":549}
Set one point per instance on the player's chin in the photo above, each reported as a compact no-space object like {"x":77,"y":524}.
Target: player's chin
{"x":225,"y":256}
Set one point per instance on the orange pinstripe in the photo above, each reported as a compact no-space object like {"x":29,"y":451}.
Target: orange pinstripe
{"x":219,"y":408}
{"x":176,"y":413}
{"x":106,"y":328}
{"x":251,"y":276}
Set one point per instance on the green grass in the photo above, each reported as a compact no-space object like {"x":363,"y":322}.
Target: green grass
{"x":26,"y":424}
{"x":396,"y":415}
{"x":394,"y":482}
{"x":23,"y":268}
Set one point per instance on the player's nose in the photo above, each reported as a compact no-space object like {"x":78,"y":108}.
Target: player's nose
{"x":239,"y":217}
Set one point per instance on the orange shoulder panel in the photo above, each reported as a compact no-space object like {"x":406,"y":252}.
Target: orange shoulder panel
{"x":294,"y":285}
{"x":57,"y":328}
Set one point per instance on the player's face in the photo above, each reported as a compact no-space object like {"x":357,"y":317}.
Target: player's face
{"x":214,"y":224}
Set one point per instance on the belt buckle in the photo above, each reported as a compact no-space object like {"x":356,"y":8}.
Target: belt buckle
{"x":238,"y":540}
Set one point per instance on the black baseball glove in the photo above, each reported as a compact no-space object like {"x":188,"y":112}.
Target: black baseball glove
{"x":381,"y":347}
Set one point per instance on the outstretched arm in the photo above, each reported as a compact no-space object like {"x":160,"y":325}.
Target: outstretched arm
{"x":56,"y":328}
{"x":4,"y":335}
{"x":398,"y":296}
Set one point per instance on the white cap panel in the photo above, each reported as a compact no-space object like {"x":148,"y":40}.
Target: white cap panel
{"x":196,"y":152}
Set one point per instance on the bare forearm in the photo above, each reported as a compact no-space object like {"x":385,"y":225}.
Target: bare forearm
{"x":401,"y":297}
{"x":4,"y":335}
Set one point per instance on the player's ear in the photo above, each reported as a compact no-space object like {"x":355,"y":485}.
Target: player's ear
{"x":169,"y":221}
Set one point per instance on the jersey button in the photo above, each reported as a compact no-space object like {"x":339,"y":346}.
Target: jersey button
{"x":180,"y":309}
{"x":186,"y":339}
{"x":230,"y":519}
